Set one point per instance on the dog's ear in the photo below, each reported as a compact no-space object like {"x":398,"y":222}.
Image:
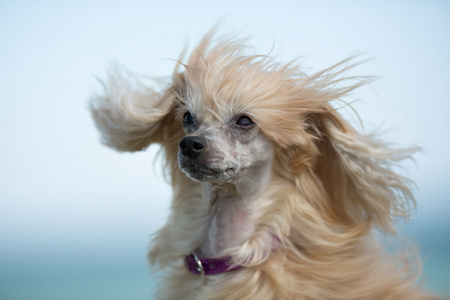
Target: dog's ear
{"x":131,"y":115}
{"x":357,"y":173}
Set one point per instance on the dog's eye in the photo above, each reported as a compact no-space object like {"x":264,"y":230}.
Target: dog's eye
{"x":188,"y":119}
{"x":244,"y":121}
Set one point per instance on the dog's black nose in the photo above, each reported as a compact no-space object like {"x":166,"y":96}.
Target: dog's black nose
{"x":191,"y":146}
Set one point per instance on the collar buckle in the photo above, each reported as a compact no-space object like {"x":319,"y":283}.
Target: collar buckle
{"x":199,"y":266}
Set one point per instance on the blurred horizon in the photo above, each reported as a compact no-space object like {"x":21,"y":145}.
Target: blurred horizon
{"x":76,"y":217}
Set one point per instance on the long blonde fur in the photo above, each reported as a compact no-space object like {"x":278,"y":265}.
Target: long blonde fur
{"x":330,"y":186}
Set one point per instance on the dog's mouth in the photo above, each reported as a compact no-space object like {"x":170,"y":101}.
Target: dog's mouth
{"x":202,"y":173}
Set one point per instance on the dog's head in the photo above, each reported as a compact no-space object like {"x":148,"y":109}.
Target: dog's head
{"x":237,"y":110}
{"x":228,"y":116}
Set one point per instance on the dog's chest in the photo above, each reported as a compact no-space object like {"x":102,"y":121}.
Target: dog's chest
{"x":228,"y":227}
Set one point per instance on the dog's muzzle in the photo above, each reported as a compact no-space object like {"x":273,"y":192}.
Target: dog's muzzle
{"x":203,"y":162}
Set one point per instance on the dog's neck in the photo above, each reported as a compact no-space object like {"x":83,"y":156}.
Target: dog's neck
{"x":230,"y":203}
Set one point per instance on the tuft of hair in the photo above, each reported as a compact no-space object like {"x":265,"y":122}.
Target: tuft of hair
{"x":129,"y":114}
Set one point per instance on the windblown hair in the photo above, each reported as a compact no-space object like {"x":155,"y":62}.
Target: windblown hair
{"x":330,"y":186}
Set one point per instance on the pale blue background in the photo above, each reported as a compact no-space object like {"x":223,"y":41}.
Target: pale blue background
{"x":76,"y":217}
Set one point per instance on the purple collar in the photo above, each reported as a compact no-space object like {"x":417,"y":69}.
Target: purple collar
{"x":209,"y":266}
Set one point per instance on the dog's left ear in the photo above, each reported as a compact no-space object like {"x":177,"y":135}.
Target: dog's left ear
{"x":130,"y":115}
{"x":356,"y":172}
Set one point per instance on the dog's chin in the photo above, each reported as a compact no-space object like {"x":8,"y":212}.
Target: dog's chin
{"x":205,"y":174}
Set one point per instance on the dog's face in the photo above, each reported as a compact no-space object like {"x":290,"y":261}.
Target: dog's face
{"x":222,"y":151}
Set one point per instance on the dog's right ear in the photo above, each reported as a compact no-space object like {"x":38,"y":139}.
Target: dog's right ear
{"x":130,"y":115}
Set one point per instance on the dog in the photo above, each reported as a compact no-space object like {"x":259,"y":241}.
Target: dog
{"x":275,"y":195}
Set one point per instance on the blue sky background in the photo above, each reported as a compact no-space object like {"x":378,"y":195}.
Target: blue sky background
{"x":76,"y":217}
